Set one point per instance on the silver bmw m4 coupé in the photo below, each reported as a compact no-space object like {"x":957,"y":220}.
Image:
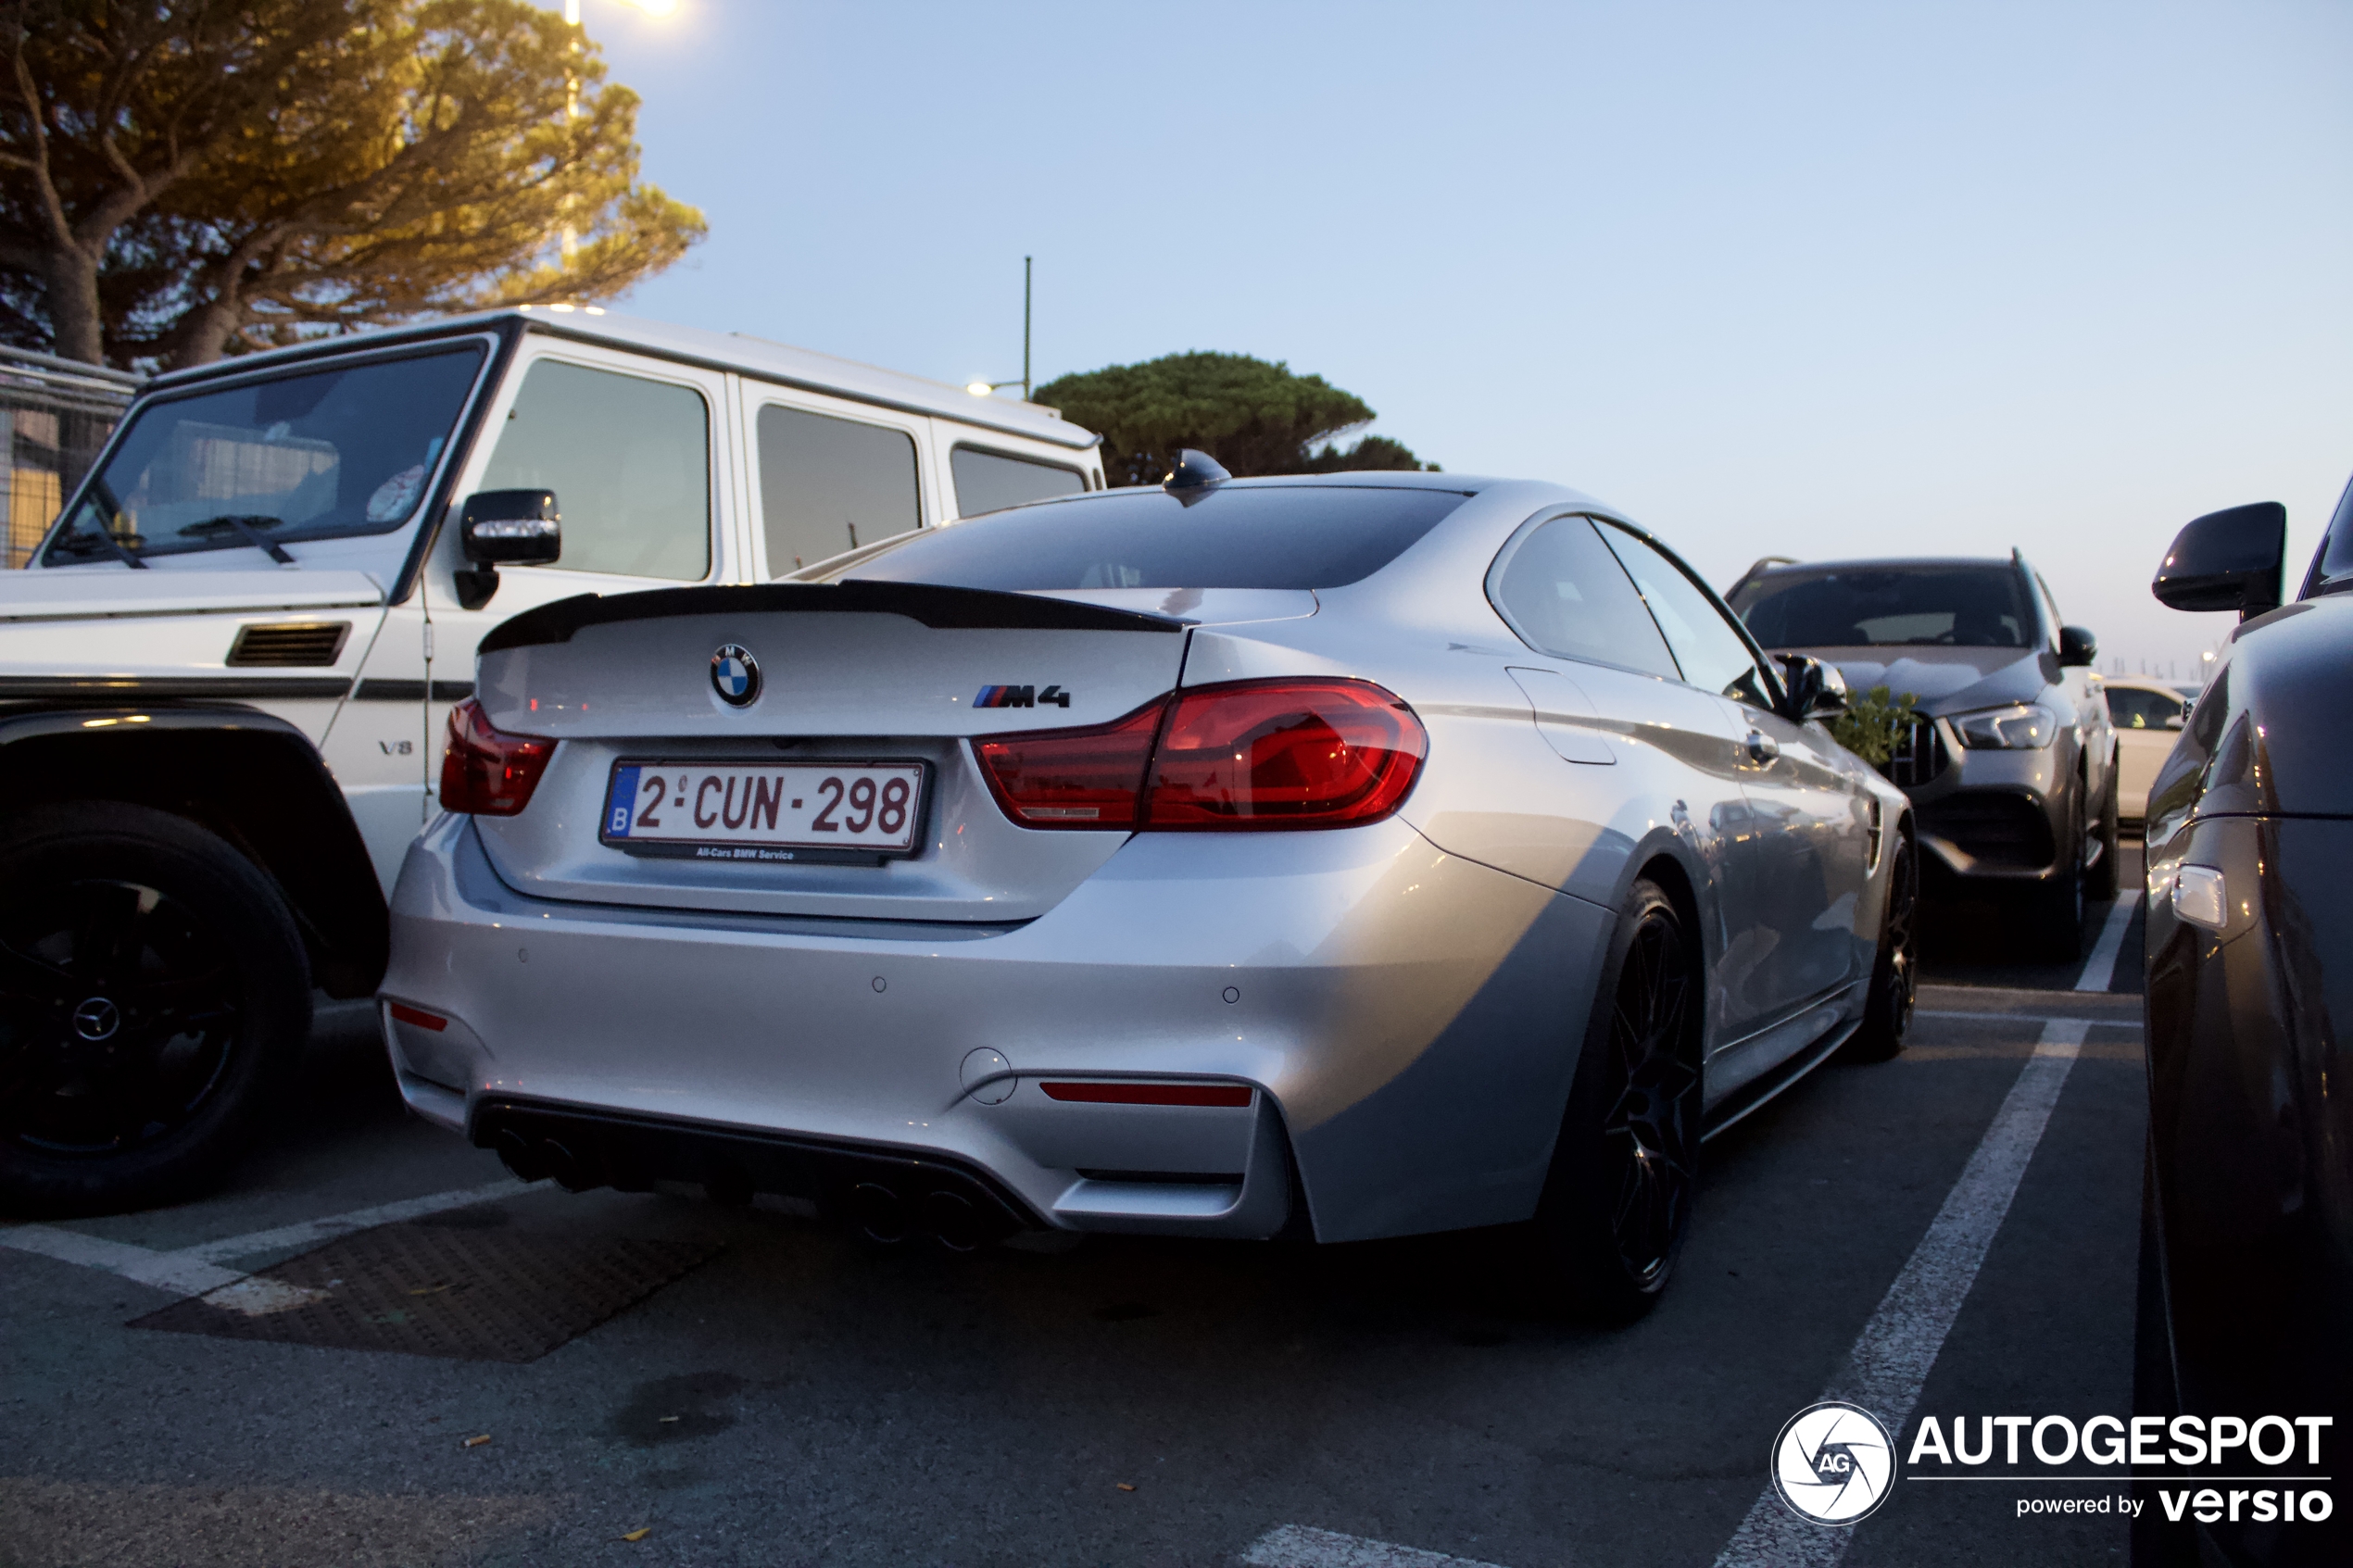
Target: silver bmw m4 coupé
{"x":1336,"y":858}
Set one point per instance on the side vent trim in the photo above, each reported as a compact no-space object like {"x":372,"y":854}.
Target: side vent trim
{"x":289,"y":644}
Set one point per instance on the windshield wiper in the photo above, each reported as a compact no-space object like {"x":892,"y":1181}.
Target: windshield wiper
{"x":71,"y":538}
{"x":242,"y":524}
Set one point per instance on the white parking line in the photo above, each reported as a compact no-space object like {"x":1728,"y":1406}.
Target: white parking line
{"x":334,"y":1225}
{"x":165,"y":1271}
{"x":1296,"y":1546}
{"x":1890,"y":1360}
{"x":2100,"y":968}
{"x":193,"y":1271}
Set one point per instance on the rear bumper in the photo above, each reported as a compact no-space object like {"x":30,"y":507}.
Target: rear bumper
{"x":1393,"y":1018}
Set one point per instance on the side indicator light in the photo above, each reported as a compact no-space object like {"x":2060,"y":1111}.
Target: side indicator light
{"x":1151,"y":1094}
{"x":403,"y":1013}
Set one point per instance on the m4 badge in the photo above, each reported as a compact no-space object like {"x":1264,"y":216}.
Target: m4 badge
{"x":1021,"y":697}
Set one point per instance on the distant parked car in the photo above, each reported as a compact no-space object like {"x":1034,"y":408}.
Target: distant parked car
{"x":2012,"y":763}
{"x":2246,"y":1239}
{"x":2148,"y":716}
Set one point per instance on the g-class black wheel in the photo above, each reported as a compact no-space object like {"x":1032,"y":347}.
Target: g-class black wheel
{"x":153,"y":992}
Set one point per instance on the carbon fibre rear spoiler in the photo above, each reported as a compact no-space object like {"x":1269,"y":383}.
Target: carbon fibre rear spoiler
{"x":929,"y":604}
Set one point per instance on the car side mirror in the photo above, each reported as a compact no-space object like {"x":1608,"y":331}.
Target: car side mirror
{"x":1816,"y":690}
{"x":2078,"y":647}
{"x":2229,"y":559}
{"x":505,"y":528}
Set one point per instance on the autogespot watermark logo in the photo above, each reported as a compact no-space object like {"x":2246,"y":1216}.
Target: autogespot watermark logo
{"x":1834,"y":1463}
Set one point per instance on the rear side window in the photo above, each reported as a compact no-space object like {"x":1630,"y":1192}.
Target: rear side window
{"x":629,"y":460}
{"x":2132,"y":708}
{"x":1237,"y":536}
{"x":1713,"y":655}
{"x":2334,"y":559}
{"x":989,"y":482}
{"x":1564,"y":593}
{"x":828,"y":486}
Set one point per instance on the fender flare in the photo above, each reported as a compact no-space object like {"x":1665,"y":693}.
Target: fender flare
{"x":249,"y":776}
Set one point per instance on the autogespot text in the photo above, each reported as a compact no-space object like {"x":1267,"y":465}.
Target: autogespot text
{"x":2276,"y":1460}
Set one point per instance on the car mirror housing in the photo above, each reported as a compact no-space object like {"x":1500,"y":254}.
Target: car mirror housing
{"x":512,"y":527}
{"x":1816,"y":690}
{"x":2229,"y":559}
{"x":2078,"y":647}
{"x":505,"y":528}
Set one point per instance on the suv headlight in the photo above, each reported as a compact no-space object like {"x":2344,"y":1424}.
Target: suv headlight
{"x":2023,"y":726}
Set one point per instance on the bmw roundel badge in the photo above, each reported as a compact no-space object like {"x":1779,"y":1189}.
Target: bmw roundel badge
{"x":735,"y":676}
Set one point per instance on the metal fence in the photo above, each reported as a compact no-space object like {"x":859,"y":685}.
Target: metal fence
{"x":55,"y":414}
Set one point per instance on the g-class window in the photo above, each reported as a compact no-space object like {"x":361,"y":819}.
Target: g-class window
{"x":989,"y":482}
{"x":629,"y":459}
{"x":828,"y":486}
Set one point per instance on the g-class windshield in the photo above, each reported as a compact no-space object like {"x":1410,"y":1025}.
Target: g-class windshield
{"x":325,"y":454}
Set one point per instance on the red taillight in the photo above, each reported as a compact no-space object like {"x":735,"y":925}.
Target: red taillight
{"x":488,"y":772}
{"x":1284,"y":754}
{"x":1252,"y":755}
{"x":1072,"y":778}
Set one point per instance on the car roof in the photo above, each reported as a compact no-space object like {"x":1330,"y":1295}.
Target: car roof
{"x":738,"y":352}
{"x":1881,"y":563}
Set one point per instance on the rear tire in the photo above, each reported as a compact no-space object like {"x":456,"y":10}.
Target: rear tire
{"x":1887,"y":1015}
{"x":153,"y":994}
{"x":1618,"y":1201}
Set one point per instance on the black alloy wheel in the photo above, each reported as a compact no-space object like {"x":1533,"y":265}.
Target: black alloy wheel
{"x":153,"y":990}
{"x":1887,"y":1011}
{"x":1618,"y":1202}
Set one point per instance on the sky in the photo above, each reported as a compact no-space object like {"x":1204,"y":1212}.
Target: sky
{"x":1806,"y":279}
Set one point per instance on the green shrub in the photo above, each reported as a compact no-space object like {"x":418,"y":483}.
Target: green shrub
{"x":1875,"y":725}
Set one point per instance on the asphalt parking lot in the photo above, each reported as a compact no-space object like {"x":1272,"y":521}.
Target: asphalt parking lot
{"x":790,"y":1396}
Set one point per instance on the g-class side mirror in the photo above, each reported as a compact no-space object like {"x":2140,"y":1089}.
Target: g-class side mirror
{"x":505,"y":528}
{"x":1816,"y":690}
{"x":2226,"y":560}
{"x":2078,"y":647}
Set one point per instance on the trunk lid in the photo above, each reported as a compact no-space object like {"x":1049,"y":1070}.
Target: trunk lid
{"x":848,"y":673}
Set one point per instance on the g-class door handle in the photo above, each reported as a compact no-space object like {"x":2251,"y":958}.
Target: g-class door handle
{"x":1762,"y":748}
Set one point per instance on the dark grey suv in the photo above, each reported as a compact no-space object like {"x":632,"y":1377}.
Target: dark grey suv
{"x":2011,"y":766}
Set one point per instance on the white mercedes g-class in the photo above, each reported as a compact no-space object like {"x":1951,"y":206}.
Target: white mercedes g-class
{"x":225,"y":673}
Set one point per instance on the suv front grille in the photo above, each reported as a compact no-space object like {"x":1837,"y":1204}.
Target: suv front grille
{"x":289,"y":644}
{"x":1996,"y":829}
{"x":1919,"y":756}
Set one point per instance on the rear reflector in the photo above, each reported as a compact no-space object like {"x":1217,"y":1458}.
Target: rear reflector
{"x":488,"y":773}
{"x":1072,"y":778}
{"x":1151,"y":1094}
{"x":403,"y":1013}
{"x":1249,"y":755}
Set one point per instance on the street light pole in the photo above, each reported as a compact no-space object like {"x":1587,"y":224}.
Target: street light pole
{"x":990,"y":389}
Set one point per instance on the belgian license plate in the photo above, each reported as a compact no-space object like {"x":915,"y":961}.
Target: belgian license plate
{"x":764,"y":810}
